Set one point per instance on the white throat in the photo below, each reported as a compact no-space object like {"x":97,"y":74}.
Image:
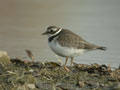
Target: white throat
{"x":49,"y":35}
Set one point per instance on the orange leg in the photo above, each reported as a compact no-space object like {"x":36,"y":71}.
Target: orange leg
{"x":66,"y":61}
{"x":71,"y":61}
{"x":65,"y":65}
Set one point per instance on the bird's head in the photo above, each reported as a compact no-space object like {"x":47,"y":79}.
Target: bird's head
{"x":52,"y":30}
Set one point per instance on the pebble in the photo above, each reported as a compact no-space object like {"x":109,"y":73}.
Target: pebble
{"x":81,"y":84}
{"x":31,"y":86}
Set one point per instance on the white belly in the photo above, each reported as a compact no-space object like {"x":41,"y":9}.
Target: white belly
{"x":65,"y":51}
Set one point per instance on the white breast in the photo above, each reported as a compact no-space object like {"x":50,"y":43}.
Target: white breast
{"x":65,"y":51}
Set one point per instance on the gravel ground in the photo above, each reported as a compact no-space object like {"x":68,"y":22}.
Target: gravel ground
{"x":24,"y":75}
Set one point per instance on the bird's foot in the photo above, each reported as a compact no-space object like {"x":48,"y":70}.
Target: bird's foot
{"x":67,"y":69}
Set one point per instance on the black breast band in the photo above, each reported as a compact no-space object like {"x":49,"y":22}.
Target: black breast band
{"x":52,"y":37}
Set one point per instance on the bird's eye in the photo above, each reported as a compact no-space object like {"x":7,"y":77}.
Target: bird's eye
{"x":51,"y":31}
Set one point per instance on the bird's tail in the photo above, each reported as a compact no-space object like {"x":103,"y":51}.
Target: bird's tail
{"x":102,"y":48}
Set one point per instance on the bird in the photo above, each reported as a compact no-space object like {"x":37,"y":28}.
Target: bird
{"x":66,"y":43}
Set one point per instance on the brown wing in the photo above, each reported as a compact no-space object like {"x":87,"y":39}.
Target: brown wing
{"x":70,"y":39}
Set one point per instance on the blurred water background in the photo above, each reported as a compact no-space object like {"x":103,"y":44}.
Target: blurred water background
{"x":23,"y":21}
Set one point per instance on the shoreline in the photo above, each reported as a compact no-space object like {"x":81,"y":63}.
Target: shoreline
{"x":25,"y":75}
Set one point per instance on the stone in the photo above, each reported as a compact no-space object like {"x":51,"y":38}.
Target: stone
{"x":31,"y":86}
{"x":4,"y":58}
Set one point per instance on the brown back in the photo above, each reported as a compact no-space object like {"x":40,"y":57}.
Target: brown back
{"x":69,"y":39}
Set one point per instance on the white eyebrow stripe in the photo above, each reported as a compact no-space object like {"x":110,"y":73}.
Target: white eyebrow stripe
{"x":54,"y":29}
{"x":57,"y":31}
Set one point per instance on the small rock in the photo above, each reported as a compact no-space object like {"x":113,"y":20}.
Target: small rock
{"x":102,"y":85}
{"x":4,"y":58}
{"x":31,"y":86}
{"x":43,"y":85}
{"x":31,"y":70}
{"x":21,"y":87}
{"x":92,"y":85}
{"x":81,"y":84}
{"x":3,"y":53}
